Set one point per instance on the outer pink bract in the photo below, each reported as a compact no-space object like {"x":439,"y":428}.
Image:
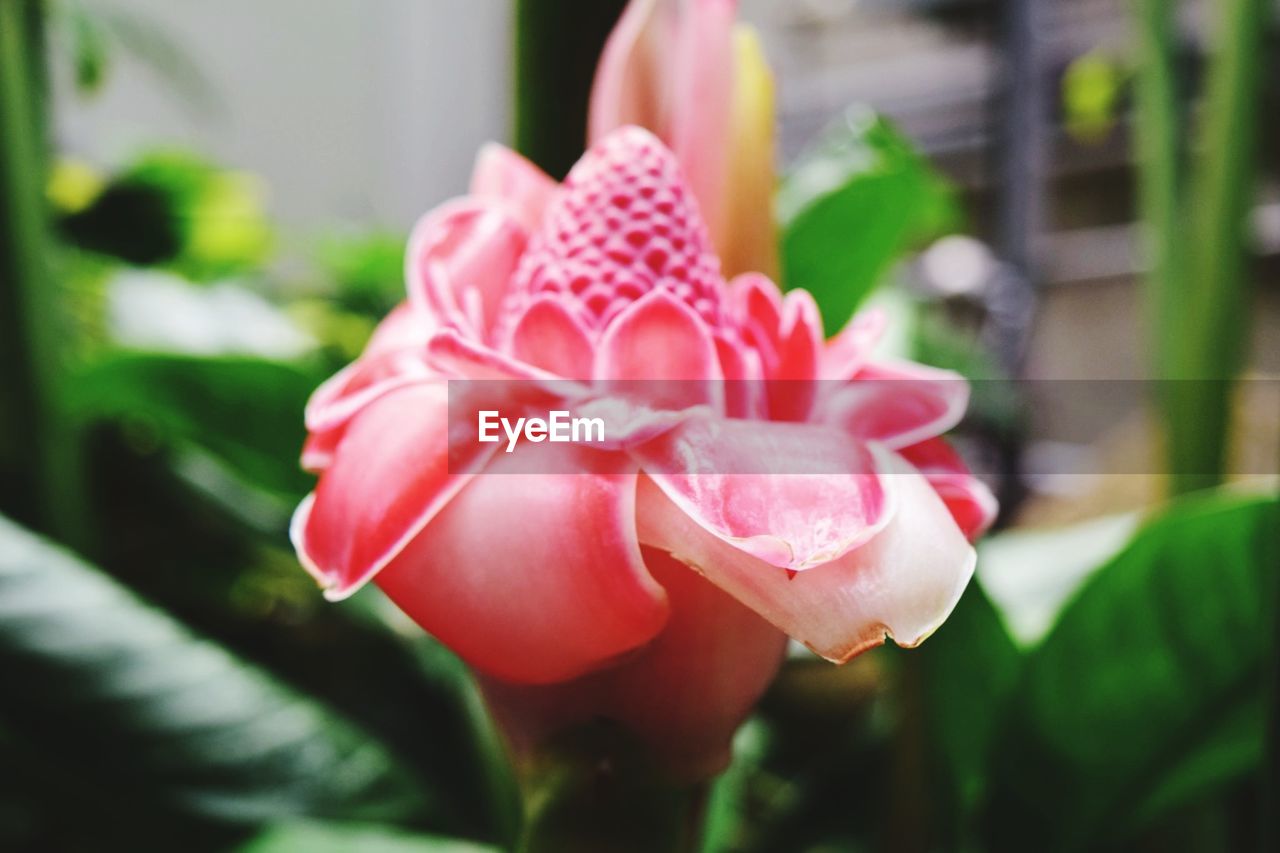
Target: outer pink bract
{"x":658,"y":588}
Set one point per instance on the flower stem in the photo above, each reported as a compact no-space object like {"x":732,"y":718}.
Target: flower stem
{"x":596,"y":790}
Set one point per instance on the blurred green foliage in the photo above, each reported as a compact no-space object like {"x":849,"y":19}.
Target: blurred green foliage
{"x":177,"y":210}
{"x":126,"y":692}
{"x":852,"y":206}
{"x":1091,"y":91}
{"x":1197,"y":181}
{"x":1149,"y":690}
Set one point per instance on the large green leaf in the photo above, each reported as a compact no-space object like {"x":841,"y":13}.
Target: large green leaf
{"x":151,"y":716}
{"x":1147,"y":691}
{"x":246,"y":412}
{"x":852,"y":206}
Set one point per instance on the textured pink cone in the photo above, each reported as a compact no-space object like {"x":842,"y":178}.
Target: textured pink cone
{"x":655,"y":585}
{"x":686,"y":71}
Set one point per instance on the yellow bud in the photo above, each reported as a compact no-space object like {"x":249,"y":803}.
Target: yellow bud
{"x":751,"y":227}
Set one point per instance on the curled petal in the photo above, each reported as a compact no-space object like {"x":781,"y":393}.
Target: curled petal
{"x":533,"y":579}
{"x":394,"y":358}
{"x":902,"y":583}
{"x":898,"y":404}
{"x":504,"y":175}
{"x":355,"y":386}
{"x":460,"y":261}
{"x":971,"y":503}
{"x":348,"y":392}
{"x":795,"y":496}
{"x":393,"y":475}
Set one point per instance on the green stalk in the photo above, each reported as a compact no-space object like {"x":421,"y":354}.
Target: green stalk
{"x":1198,"y":289}
{"x":1159,"y":131}
{"x":36,"y":457}
{"x":596,"y":789}
{"x":1214,"y":315}
{"x":558,"y":44}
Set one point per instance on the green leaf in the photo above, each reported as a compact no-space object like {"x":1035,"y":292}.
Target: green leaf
{"x":970,"y":667}
{"x":852,"y":206}
{"x":1031,"y":574}
{"x":246,"y":412}
{"x":1141,"y":696}
{"x":352,"y":838}
{"x":132,"y":703}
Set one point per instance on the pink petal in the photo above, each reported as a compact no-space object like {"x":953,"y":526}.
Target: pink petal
{"x":392,"y":475}
{"x":704,"y":105}
{"x":633,"y":81}
{"x":318,"y":450}
{"x":684,"y":694}
{"x":533,"y":579}
{"x":660,"y":339}
{"x":796,"y":496}
{"x":897,"y":404}
{"x":848,"y":351}
{"x":404,"y":328}
{"x":902,"y":583}
{"x":969,"y":500}
{"x":459,"y":357}
{"x":504,"y":175}
{"x":549,"y":337}
{"x":740,"y":364}
{"x":791,"y":382}
{"x":757,"y":303}
{"x":349,"y":390}
{"x":394,"y":357}
{"x":460,"y":260}
{"x":699,"y":679}
{"x":630,"y":420}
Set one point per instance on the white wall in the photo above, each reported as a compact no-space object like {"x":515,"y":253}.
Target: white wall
{"x":357,"y":110}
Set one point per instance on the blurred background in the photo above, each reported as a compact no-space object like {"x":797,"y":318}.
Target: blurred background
{"x":205,"y":207}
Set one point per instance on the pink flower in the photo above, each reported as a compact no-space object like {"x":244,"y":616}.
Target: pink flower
{"x":787,"y":486}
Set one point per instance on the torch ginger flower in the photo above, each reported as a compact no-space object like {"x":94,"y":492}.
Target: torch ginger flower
{"x":799,"y":489}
